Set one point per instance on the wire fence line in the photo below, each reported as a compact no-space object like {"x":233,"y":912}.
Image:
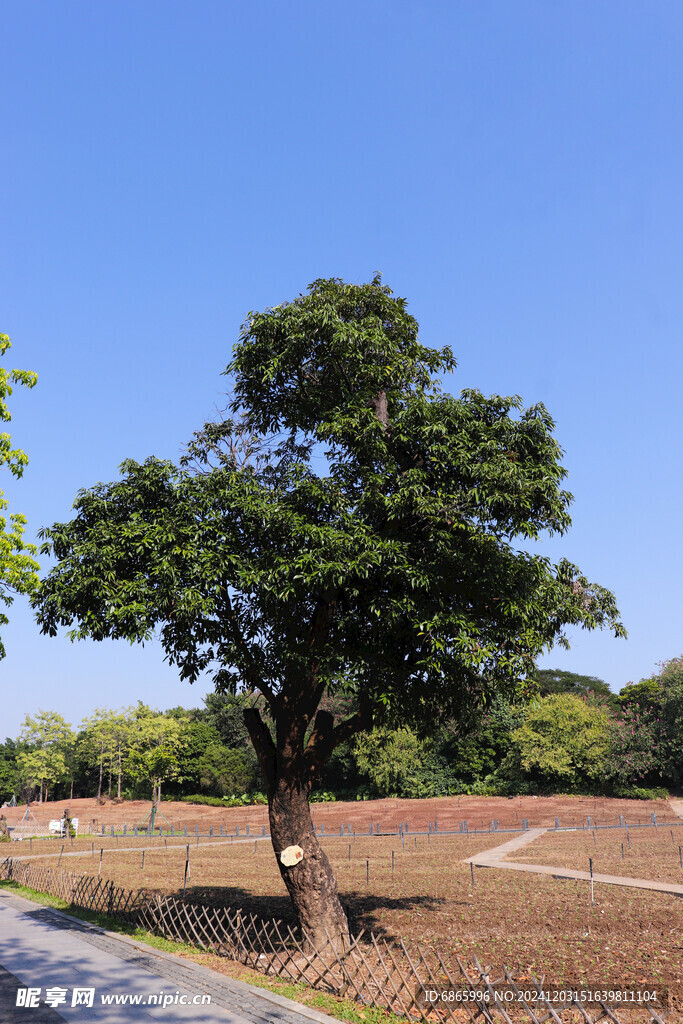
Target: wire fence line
{"x":406,"y":979}
{"x":36,"y":829}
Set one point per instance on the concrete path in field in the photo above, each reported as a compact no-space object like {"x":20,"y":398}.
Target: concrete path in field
{"x":495,"y":859}
{"x":154,"y":847}
{"x":78,"y":967}
{"x":676,"y":806}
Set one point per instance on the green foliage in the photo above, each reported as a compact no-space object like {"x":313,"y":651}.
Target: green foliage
{"x":670,"y":679}
{"x":475,"y":753}
{"x":105,"y":739}
{"x":563,"y":742}
{"x":227,"y":771}
{"x":646,"y":695}
{"x":641,"y":793}
{"x":10,"y":774}
{"x":389,"y":758}
{"x":246,"y":800}
{"x":224,"y":711}
{"x":44,"y":759}
{"x":557,"y":680}
{"x":659,"y":702}
{"x":18,"y":568}
{"x":154,"y":751}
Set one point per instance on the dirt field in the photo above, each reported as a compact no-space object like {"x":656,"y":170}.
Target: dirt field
{"x":638,"y":853}
{"x":446,"y":812}
{"x":522,"y":921}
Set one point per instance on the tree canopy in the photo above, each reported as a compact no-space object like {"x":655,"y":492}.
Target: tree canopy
{"x":348,"y":527}
{"x":557,"y":680}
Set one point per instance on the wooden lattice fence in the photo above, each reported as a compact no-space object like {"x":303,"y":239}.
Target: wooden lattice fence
{"x":370,"y":970}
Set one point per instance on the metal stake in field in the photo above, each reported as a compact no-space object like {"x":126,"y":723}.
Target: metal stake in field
{"x":143,"y":860}
{"x":99,"y":870}
{"x":590,"y":860}
{"x":60,"y":855}
{"x":367,"y":872}
{"x":392,"y":862}
{"x":187,"y":868}
{"x":472,"y":873}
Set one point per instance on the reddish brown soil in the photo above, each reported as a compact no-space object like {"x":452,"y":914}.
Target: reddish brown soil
{"x":447,"y":812}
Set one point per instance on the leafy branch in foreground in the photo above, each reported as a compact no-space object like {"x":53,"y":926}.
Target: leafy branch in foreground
{"x":18,"y":568}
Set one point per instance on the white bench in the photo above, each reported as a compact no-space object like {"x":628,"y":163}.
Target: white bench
{"x":58,"y":827}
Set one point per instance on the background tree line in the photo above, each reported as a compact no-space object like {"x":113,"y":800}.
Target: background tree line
{"x":571,"y":734}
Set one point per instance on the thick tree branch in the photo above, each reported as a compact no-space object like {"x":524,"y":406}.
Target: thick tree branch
{"x":379,"y":404}
{"x":252,"y":673}
{"x":318,"y":630}
{"x":263,"y":743}
{"x":325,"y":738}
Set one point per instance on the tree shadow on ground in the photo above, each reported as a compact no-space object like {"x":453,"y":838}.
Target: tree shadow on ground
{"x":364,"y":909}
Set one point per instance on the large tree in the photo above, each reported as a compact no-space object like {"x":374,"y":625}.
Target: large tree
{"x":350,"y":527}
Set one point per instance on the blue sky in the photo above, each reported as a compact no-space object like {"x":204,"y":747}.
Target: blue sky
{"x":513,"y":169}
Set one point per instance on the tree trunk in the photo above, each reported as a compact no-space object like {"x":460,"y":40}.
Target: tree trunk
{"x":99,"y":786}
{"x":118,"y":787}
{"x":289,"y":764}
{"x":311,"y":883}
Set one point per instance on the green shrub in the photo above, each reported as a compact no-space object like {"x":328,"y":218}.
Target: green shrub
{"x":246,"y":800}
{"x":642,"y":793}
{"x":562,"y":743}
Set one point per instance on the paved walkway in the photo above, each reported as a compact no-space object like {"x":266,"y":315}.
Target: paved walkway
{"x":57,"y":955}
{"x":677,"y":807}
{"x":153,"y":847}
{"x":495,"y":859}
